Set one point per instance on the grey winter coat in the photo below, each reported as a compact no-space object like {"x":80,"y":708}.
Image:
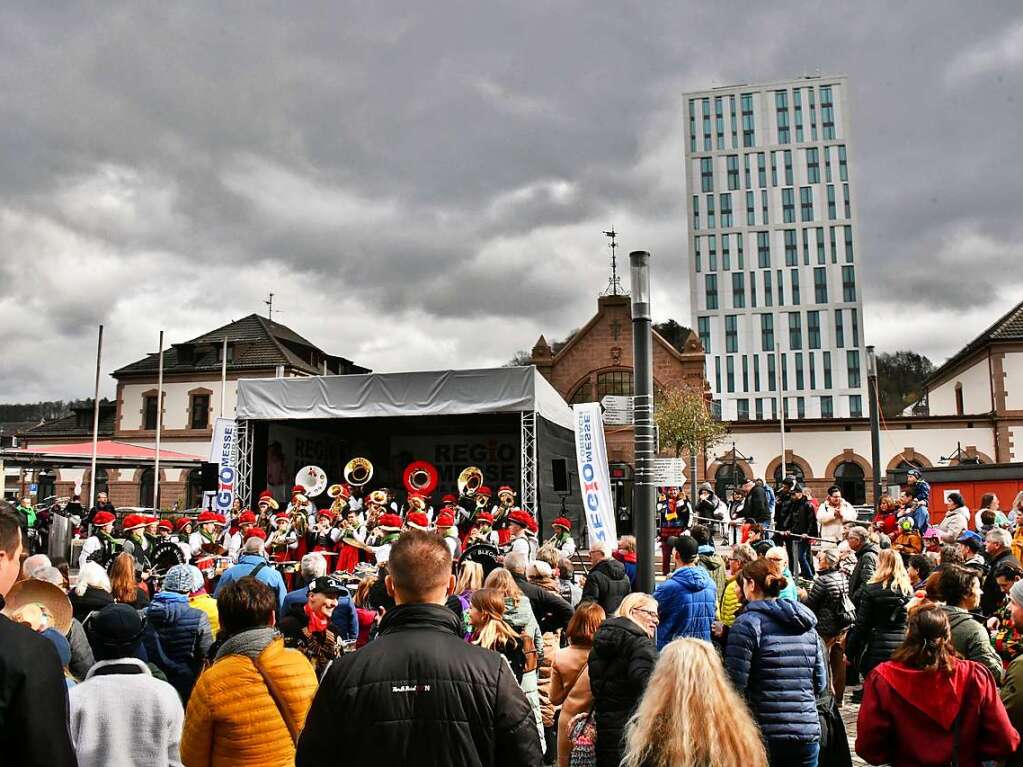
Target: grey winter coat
{"x":971,"y":640}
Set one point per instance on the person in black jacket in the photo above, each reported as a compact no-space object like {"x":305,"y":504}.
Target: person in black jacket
{"x":829,"y":600}
{"x":866,"y":561}
{"x":802,"y":520}
{"x":620,"y":663}
{"x":607,"y":583}
{"x":998,"y":544}
{"x":419,"y":694}
{"x":33,"y":694}
{"x":756,"y":508}
{"x":880,"y":614}
{"x":551,"y":611}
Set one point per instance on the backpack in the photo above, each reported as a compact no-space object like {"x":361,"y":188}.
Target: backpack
{"x":582,"y":734}
{"x":529,"y":649}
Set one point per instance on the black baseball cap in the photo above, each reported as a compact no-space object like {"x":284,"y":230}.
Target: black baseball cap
{"x":329,"y":586}
{"x":686,"y":547}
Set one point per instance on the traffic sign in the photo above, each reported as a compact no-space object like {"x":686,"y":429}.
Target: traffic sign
{"x":668,"y":472}
{"x":618,"y":409}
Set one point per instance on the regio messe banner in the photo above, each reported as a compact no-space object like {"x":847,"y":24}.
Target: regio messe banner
{"x":594,"y":480}
{"x":222,"y":452}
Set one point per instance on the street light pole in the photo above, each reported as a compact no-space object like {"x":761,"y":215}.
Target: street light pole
{"x":875,"y":422}
{"x":643,"y":411}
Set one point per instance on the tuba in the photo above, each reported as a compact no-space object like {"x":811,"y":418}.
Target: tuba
{"x":420,"y":477}
{"x":313,"y":479}
{"x":358,"y":472}
{"x":470,"y":480}
{"x":340,"y":495}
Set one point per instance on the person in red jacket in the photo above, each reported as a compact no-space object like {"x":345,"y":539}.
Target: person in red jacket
{"x":927,"y":707}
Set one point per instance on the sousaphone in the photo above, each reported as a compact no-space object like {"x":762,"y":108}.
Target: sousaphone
{"x":313,"y":479}
{"x":470,"y":480}
{"x":358,"y":472}
{"x":420,"y":477}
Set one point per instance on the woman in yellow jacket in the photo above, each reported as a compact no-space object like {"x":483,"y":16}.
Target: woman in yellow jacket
{"x":249,"y":707}
{"x":728,"y":599}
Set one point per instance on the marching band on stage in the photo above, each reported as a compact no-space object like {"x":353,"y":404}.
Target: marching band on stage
{"x":356,"y":530}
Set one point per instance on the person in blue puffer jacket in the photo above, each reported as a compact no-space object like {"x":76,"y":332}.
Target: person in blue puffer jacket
{"x":177,"y":636}
{"x":775,"y":661}
{"x":687,"y":601}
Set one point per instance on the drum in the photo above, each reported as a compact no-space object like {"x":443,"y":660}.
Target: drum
{"x":484,"y":554}
{"x":165,"y":555}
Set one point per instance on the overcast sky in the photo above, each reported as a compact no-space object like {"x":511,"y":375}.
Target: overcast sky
{"x":427,"y":187}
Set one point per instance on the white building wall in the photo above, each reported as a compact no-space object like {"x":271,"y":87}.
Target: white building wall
{"x":976,"y":383}
{"x":1012,"y":365}
{"x":720,"y":252}
{"x":175,"y":403}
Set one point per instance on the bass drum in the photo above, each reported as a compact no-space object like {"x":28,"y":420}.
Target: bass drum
{"x":484,"y":554}
{"x":165,"y":555}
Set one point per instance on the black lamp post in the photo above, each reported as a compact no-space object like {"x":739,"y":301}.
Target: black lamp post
{"x":644,"y":489}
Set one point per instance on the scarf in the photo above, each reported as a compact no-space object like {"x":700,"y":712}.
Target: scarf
{"x":249,"y":643}
{"x":317,"y":623}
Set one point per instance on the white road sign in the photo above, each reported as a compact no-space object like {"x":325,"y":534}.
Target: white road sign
{"x":668,"y":472}
{"x":617,"y":410}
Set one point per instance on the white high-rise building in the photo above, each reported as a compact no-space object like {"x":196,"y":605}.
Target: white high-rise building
{"x":773,"y":247}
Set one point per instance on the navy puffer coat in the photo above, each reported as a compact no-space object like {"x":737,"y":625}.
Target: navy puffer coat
{"x":774,"y":660}
{"x":177,"y":638}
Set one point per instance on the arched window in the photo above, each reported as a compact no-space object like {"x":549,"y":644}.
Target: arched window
{"x":793,"y":471}
{"x":727,"y":478}
{"x":583,"y":393}
{"x":614,"y":382}
{"x":47,"y":484}
{"x":850,"y":478}
{"x":194,"y":489}
{"x":905,"y":465}
{"x":146,"y":489}
{"x":102,"y":481}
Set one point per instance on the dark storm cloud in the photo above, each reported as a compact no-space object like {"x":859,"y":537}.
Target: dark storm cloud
{"x":444,"y":171}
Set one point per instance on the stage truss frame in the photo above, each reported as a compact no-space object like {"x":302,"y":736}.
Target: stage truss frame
{"x":528,"y":481}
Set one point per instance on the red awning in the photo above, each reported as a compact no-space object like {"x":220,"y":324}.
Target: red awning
{"x":105,"y":448}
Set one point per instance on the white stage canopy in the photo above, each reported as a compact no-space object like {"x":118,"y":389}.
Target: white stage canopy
{"x":375,"y":395}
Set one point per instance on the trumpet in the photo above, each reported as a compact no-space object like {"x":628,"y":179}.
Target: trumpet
{"x":340,"y":503}
{"x":358,"y":472}
{"x":470,"y":480}
{"x":482,"y":502}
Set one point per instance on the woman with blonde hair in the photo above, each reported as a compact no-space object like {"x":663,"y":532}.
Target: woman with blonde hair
{"x":620,"y":664}
{"x":123,"y":583}
{"x":570,"y":675}
{"x":491,"y":632}
{"x":881,"y":614}
{"x":690,"y":716}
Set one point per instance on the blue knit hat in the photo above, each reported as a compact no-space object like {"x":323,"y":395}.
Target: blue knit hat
{"x":178,"y":579}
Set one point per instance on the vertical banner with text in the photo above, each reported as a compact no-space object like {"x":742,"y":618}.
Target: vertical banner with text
{"x":594,"y":481}
{"x":222,"y":453}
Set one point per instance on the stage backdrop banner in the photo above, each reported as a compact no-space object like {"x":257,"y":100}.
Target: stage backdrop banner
{"x":594,"y":481}
{"x":222,"y":452}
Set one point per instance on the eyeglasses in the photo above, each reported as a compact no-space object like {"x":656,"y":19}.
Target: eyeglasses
{"x":652,"y":614}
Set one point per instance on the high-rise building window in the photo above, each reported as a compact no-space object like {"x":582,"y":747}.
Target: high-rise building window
{"x":696,"y":212}
{"x":813,"y":166}
{"x":696,"y":253}
{"x":772,"y":373}
{"x":827,"y":407}
{"x":787,"y":159}
{"x":813,"y":371}
{"x":795,"y":330}
{"x":845,"y":201}
{"x":742,"y":412}
{"x":827,"y":164}
{"x":719,"y":121}
{"x":706,"y":174}
{"x":834,"y":247}
{"x":763,"y":208}
{"x":784,"y":372}
{"x":745,"y":163}
{"x":712,"y":253}
{"x":707,"y":143}
{"x":855,"y":406}
{"x":800,"y":407}
{"x":756,"y":372}
{"x":732,"y":163}
{"x":712,"y":290}
{"x":813,"y":114}
{"x":820,"y":284}
{"x":738,"y":290}
{"x":794,"y":274}
{"x":764,"y":250}
{"x":820,"y":245}
{"x":791,"y":250}
{"x":717,"y":374}
{"x":848,"y":284}
{"x":781,"y":288}
{"x":726,"y":210}
{"x":827,"y":113}
{"x":703,"y":327}
{"x":726,"y":253}
{"x":788,"y":206}
{"x":751,"y":209}
{"x":735,"y":122}
{"x":767,"y":288}
{"x":738,"y":239}
{"x":748,"y":127}
{"x":731,"y":334}
{"x":806,"y":246}
{"x":781,"y":103}
{"x":855,"y":327}
{"x":832,"y":211}
{"x":692,"y":125}
{"x":759,"y":407}
{"x":813,"y":329}
{"x":827,"y":370}
{"x":767,"y":332}
{"x":800,"y":377}
{"x":761,"y":170}
{"x":853,"y":361}
{"x":843,"y":168}
{"x":753,"y":289}
{"x":806,"y":203}
{"x":730,"y":373}
{"x":848,"y":245}
{"x":839,"y":329}
{"x":797,"y":108}
{"x":710,"y":212}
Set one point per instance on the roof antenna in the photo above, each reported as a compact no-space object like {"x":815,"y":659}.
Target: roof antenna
{"x":614,"y":284}
{"x":270,"y":307}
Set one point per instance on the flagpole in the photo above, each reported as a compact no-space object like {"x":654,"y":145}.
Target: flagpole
{"x":223,"y":380}
{"x":159,"y":423}
{"x":95,"y":423}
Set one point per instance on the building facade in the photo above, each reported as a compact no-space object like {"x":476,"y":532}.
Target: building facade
{"x":773,"y":248}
